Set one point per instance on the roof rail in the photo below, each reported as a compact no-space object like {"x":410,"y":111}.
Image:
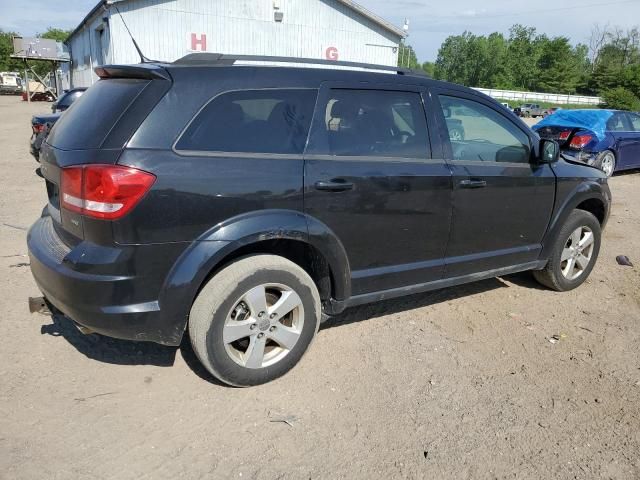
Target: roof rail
{"x":223,"y":59}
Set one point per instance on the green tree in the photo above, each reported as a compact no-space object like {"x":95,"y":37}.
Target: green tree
{"x":429,"y":68}
{"x":561,"y":67}
{"x":523,"y":55}
{"x":617,"y":62}
{"x":57,"y":34}
{"x":8,"y":64}
{"x":495,"y":72}
{"x":451,"y":64}
{"x":620,"y":98}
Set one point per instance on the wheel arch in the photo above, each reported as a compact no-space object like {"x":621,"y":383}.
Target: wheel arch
{"x":588,"y":196}
{"x":290,"y":234}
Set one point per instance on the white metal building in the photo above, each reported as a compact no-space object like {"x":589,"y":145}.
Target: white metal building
{"x":169,"y":29}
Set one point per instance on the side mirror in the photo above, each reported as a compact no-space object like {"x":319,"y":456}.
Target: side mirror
{"x":549,"y":151}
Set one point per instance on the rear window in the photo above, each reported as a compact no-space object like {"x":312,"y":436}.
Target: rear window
{"x":252,"y":121}
{"x":68,"y":98}
{"x":91,"y":118}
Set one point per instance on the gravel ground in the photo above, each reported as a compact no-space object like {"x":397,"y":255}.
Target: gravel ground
{"x":458,"y":383}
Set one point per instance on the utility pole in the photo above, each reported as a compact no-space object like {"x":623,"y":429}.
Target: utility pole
{"x":26,"y":81}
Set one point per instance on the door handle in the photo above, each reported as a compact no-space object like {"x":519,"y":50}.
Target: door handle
{"x":473,"y":183}
{"x":333,"y":185}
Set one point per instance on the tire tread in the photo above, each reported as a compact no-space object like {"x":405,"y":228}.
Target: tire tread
{"x":221,"y":285}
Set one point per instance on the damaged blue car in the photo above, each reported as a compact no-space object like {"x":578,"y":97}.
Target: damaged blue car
{"x":606,"y":139}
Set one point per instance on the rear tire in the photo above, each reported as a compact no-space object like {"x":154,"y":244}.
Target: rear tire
{"x":574,"y":254}
{"x":606,"y":161}
{"x":254,"y":320}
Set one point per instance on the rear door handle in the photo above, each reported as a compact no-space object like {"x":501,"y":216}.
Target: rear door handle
{"x":333,"y":185}
{"x":473,"y":183}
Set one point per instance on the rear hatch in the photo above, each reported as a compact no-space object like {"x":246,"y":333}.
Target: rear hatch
{"x":95,"y":130}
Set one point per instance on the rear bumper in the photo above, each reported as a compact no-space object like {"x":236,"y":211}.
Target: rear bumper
{"x":106,"y":289}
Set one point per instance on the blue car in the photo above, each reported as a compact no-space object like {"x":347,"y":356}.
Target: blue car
{"x":606,"y":139}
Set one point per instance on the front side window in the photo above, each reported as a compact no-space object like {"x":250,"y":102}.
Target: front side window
{"x":252,"y":121}
{"x":375,"y":123}
{"x":479,"y":133}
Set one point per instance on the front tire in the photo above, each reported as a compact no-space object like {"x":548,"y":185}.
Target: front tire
{"x":254,"y":320}
{"x":574,"y":254}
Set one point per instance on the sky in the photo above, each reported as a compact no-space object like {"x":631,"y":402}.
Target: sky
{"x":430,"y":22}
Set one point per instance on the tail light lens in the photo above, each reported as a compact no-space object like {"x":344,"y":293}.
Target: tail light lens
{"x":38,"y":127}
{"x":580,"y":141}
{"x":103,"y":191}
{"x":564,"y":136}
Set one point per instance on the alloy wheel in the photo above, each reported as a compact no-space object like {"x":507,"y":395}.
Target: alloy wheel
{"x":577,"y":253}
{"x":455,"y":135}
{"x":263,"y":326}
{"x":608,"y":163}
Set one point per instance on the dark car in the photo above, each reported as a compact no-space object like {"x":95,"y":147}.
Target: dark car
{"x":606,"y":139}
{"x":241,"y":204}
{"x":40,"y":126}
{"x":66,"y":99}
{"x":550,"y":111}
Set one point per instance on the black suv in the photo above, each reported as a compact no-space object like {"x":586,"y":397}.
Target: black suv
{"x":245,"y":203}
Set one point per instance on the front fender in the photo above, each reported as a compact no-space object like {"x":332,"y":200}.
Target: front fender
{"x":197,"y":262}
{"x":569,"y":196}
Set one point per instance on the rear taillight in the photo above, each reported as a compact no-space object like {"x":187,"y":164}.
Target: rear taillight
{"x":103,"y":191}
{"x":38,"y":127}
{"x":580,"y":141}
{"x":564,"y":136}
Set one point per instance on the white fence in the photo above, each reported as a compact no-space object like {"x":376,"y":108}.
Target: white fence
{"x":558,"y":98}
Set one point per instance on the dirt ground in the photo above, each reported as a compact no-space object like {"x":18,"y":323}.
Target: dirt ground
{"x":458,"y":383}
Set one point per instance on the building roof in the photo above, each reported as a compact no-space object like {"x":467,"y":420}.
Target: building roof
{"x":356,"y":7}
{"x":374,"y":18}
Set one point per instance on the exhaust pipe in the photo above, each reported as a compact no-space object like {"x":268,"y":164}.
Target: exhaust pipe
{"x":39,"y":305}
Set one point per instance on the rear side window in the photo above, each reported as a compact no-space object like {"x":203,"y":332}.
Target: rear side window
{"x":376,"y":123}
{"x":94,"y":114}
{"x":252,"y":121}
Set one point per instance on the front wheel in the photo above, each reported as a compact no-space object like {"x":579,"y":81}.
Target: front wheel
{"x":253,"y":321}
{"x":574,"y":254}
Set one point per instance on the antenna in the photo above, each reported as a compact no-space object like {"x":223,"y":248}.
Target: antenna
{"x":143,"y":59}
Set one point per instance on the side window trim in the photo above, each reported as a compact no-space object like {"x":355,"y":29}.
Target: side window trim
{"x":231,"y":154}
{"x":318,"y":139}
{"x":444,"y":132}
